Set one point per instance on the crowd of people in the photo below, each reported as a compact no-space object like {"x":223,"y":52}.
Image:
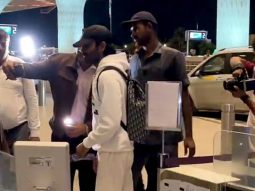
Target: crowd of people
{"x":92,"y":100}
{"x":95,"y":101}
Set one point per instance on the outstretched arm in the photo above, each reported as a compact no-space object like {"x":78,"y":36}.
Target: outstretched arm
{"x":42,"y":70}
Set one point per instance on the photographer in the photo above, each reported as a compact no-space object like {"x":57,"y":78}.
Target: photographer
{"x":242,"y":67}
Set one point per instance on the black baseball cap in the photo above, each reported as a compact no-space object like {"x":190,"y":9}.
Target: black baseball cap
{"x":97,"y":33}
{"x":140,"y":16}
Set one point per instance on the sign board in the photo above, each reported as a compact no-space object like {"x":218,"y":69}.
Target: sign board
{"x":9,"y":29}
{"x":195,"y":35}
{"x":163,"y":106}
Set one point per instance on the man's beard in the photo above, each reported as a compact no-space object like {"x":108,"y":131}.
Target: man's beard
{"x":143,"y":41}
{"x":93,"y":61}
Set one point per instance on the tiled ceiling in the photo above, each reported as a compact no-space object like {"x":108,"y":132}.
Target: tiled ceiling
{"x":19,"y":5}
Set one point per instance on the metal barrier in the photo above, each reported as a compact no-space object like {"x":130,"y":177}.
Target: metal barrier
{"x":227,"y":124}
{"x":227,"y":117}
{"x":41,"y":93}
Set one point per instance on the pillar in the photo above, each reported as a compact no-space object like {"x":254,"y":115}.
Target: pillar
{"x":233,"y":20}
{"x":70,"y":23}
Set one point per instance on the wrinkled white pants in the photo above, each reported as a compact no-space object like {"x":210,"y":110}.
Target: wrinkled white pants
{"x":114,"y":171}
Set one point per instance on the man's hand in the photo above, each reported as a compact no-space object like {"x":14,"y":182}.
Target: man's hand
{"x":76,"y":130}
{"x":81,"y":150}
{"x":34,"y":139}
{"x":238,"y":93}
{"x":10,"y":68}
{"x":189,"y":144}
{"x":238,"y":73}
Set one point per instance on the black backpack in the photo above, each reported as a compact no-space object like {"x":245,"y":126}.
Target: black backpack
{"x":135,"y":107}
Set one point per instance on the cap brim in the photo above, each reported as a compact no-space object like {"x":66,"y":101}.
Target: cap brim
{"x":129,"y":23}
{"x":78,"y":43}
{"x":82,"y":42}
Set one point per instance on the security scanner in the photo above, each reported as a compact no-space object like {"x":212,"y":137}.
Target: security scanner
{"x":233,"y":166}
{"x":42,"y":166}
{"x":37,"y":166}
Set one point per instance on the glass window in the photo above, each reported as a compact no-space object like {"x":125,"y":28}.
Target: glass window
{"x":214,"y":66}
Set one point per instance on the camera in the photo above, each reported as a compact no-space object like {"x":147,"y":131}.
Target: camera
{"x":243,"y":84}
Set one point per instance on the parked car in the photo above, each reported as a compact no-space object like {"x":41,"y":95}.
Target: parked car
{"x":206,"y":80}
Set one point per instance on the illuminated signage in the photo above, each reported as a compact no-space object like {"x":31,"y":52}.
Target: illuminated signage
{"x":196,"y":35}
{"x":9,"y":29}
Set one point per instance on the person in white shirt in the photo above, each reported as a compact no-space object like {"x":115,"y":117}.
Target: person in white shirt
{"x":70,"y":80}
{"x":19,"y":112}
{"x":115,"y":150}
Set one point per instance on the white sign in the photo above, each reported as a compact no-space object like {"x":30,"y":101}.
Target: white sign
{"x":163,"y":105}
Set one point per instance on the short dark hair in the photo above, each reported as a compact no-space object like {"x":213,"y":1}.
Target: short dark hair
{"x":109,"y":49}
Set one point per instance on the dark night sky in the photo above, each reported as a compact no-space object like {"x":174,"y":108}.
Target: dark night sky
{"x":169,"y":13}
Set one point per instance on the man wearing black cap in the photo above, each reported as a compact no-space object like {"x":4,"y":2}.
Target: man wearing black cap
{"x":70,"y":81}
{"x":156,"y":62}
{"x":109,"y":89}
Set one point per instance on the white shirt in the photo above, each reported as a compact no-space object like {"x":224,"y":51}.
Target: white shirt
{"x":18,"y":102}
{"x":80,"y":104}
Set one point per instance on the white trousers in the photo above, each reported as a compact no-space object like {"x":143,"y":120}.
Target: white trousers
{"x":114,"y":171}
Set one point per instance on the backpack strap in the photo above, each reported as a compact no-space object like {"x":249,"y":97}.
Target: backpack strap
{"x":123,"y":75}
{"x":88,"y":115}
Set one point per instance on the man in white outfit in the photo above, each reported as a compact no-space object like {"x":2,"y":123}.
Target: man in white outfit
{"x":115,"y":150}
{"x":19,"y":112}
